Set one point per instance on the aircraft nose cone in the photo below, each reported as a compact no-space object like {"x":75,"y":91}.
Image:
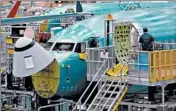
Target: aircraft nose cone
{"x":29,"y":57}
{"x":46,"y":82}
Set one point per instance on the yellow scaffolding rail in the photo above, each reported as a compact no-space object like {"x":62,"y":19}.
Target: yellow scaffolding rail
{"x":162,"y":65}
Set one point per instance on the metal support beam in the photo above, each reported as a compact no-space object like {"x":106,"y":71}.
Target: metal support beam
{"x":163,"y":94}
{"x":107,"y":31}
{"x":129,"y":107}
{"x":163,"y":108}
{"x":0,"y":53}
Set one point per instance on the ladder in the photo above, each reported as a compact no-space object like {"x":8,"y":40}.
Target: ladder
{"x":101,"y":75}
{"x":109,"y":93}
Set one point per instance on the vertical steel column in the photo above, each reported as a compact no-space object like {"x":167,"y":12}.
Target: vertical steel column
{"x":129,"y":107}
{"x":163,"y":94}
{"x":0,"y":53}
{"x":107,"y":31}
{"x":105,"y":36}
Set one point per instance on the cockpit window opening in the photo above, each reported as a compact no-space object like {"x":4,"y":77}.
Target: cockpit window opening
{"x":80,"y":47}
{"x":63,"y":46}
{"x":48,"y":45}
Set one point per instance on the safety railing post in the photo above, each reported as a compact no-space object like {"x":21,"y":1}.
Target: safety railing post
{"x":159,"y":66}
{"x":170,"y":65}
{"x":154,"y":65}
{"x":150,"y":68}
{"x":165,"y":65}
{"x":138,"y":54}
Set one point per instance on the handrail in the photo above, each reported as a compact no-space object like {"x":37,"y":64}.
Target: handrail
{"x":115,"y":86}
{"x":61,"y":100}
{"x":139,"y":51}
{"x":165,"y":46}
{"x":165,"y":43}
{"x":31,"y":93}
{"x":16,"y":109}
{"x":97,"y":82}
{"x":37,"y":24}
{"x":3,"y":97}
{"x":100,"y":48}
{"x":97,"y":94}
{"x":108,"y":97}
{"x":47,"y":106}
{"x":109,"y":88}
{"x":90,"y":85}
{"x":117,"y":97}
{"x":149,"y":105}
{"x":155,"y":64}
{"x":105,"y":92}
{"x":120,"y":99}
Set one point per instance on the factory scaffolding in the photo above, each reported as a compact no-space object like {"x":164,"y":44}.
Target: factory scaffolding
{"x":111,"y":89}
{"x":157,"y":69}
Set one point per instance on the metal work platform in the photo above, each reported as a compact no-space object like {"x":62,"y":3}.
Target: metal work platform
{"x":137,"y":77}
{"x":143,"y":76}
{"x":155,"y":68}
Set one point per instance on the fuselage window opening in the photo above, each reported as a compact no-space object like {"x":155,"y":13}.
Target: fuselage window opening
{"x":80,"y":47}
{"x":48,"y":45}
{"x":63,"y":46}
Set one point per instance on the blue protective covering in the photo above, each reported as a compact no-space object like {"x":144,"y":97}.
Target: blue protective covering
{"x":160,"y":22}
{"x":142,"y":59}
{"x":56,"y":30}
{"x":96,"y":9}
{"x":102,"y":8}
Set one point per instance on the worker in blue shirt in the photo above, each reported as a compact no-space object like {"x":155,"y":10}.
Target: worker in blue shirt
{"x":146,"y":41}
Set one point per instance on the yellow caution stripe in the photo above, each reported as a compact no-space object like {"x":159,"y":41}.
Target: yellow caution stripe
{"x":120,"y":99}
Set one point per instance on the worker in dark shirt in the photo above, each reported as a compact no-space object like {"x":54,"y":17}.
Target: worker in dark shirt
{"x":146,"y":41}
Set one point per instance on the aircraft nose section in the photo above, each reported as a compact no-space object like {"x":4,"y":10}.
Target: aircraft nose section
{"x":29,"y":57}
